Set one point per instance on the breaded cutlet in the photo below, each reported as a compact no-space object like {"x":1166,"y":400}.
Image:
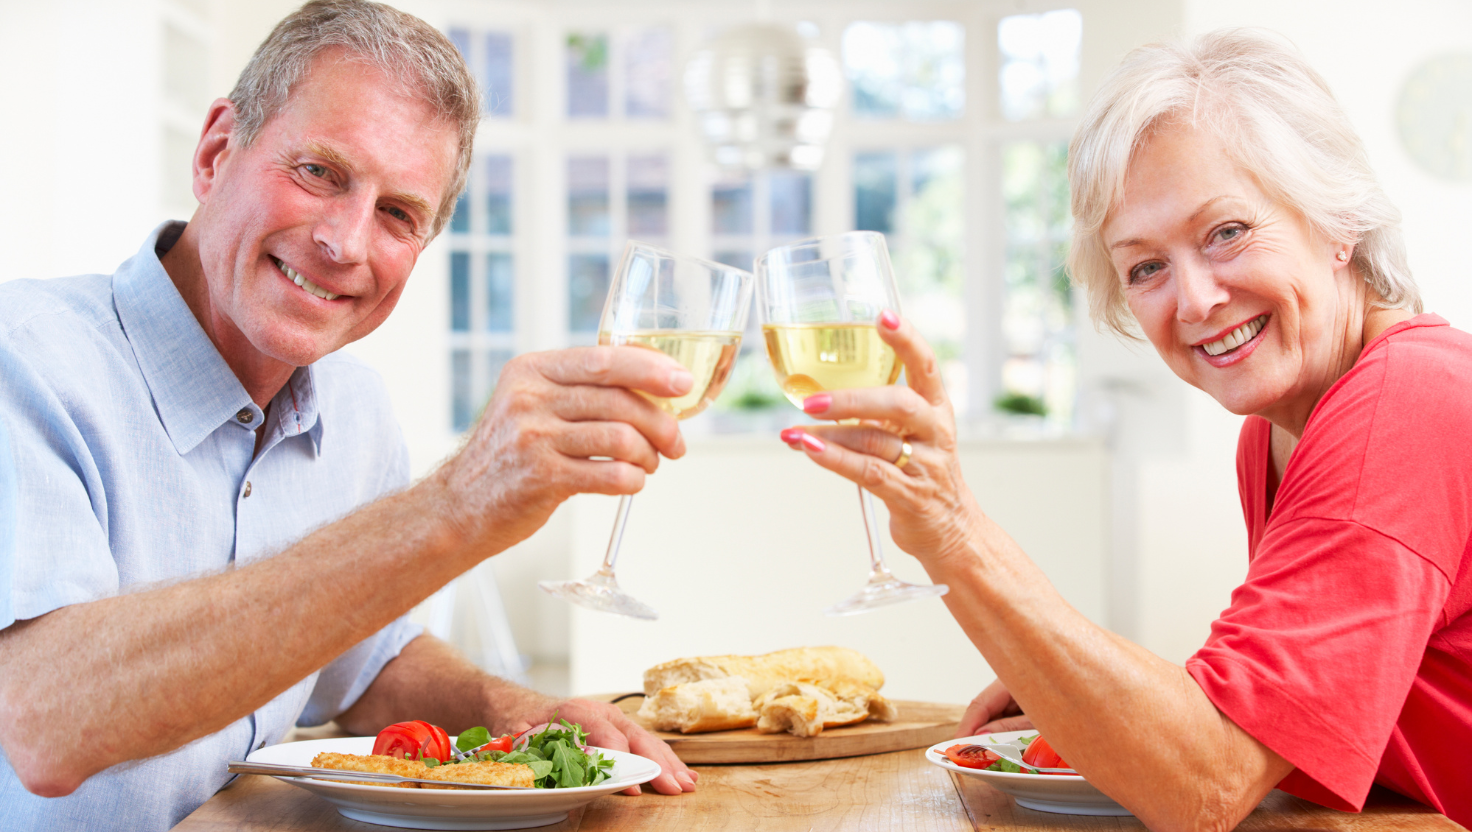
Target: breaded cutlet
{"x":376,"y":763}
{"x":485,"y":773}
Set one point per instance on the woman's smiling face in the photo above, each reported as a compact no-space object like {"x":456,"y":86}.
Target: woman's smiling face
{"x":1239,"y":295}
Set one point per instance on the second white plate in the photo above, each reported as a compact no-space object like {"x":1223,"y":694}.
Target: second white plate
{"x":1067,"y":794}
{"x":445,"y":809}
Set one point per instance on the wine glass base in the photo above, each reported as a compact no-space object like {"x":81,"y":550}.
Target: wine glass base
{"x":882,"y":593}
{"x":601,"y":594}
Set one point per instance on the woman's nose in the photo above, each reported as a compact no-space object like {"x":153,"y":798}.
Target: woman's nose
{"x":1198,"y":291}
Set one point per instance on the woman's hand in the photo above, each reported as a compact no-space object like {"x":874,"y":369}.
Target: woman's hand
{"x":992,"y":712}
{"x":931,"y":511}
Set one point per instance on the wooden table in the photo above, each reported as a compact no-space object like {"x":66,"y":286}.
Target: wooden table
{"x":899,"y":790}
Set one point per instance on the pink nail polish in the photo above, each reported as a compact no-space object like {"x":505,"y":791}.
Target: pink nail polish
{"x":814,"y":443}
{"x":817,"y":403}
{"x":791,"y":435}
{"x":889,"y":319}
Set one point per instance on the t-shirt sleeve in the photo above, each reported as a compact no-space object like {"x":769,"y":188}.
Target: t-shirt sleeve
{"x":1319,"y":648}
{"x":53,"y":539}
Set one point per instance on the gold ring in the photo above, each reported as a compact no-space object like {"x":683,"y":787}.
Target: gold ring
{"x":904,"y":458}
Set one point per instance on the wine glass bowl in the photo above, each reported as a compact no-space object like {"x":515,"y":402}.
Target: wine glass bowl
{"x":692,"y":310}
{"x":818,"y":300}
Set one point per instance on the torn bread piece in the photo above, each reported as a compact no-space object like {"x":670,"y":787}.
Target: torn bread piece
{"x":697,"y":707}
{"x":806,"y":709}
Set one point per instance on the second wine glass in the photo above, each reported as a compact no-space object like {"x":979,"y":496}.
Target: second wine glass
{"x":692,"y":310}
{"x":818,"y":301}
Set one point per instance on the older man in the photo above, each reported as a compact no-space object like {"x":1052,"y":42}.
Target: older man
{"x":205,"y":530}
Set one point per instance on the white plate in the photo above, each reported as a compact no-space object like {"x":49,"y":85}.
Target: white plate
{"x":445,"y":809}
{"x":1067,"y":794}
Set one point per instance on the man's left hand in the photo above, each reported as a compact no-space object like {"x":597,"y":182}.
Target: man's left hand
{"x":608,"y":727}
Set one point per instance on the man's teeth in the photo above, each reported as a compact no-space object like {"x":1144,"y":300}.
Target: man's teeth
{"x":1236,"y":337}
{"x":305,"y":283}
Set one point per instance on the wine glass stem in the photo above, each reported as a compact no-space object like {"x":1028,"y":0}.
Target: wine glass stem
{"x":878,"y":571}
{"x":617,"y":538}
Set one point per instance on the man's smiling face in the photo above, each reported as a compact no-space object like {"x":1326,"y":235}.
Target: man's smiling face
{"x":307,"y":236}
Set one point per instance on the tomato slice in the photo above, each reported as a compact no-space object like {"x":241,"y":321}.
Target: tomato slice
{"x":971,"y":756}
{"x":414,"y":740}
{"x":1040,"y":754}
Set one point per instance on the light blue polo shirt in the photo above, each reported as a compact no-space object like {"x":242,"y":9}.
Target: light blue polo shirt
{"x":126,"y":459}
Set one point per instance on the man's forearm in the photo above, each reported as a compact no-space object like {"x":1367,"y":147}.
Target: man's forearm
{"x":432,"y":681}
{"x":180,"y":662}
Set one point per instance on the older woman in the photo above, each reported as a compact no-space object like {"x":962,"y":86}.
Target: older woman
{"x":1223,"y":202}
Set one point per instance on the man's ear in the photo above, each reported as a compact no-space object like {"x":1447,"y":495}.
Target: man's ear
{"x":216,"y":141}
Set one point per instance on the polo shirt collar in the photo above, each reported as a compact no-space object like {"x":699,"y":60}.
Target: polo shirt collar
{"x":193,"y":389}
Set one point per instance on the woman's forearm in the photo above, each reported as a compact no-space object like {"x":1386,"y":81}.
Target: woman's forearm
{"x":1137,"y":726}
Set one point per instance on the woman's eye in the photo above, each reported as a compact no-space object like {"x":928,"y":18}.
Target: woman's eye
{"x":1144,"y":271}
{"x":1229,"y":233}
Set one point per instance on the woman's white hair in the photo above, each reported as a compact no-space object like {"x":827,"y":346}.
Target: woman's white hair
{"x":401,"y":45}
{"x":1280,"y":124}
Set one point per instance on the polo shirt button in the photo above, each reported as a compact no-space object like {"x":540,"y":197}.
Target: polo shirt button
{"x":245,"y":416}
{"x":247,"y":489}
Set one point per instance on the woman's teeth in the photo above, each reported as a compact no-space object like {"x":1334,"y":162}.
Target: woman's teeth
{"x":305,"y":283}
{"x":1236,"y":337}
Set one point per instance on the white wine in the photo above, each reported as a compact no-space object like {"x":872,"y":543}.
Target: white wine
{"x":709,"y":356}
{"x":812,"y":358}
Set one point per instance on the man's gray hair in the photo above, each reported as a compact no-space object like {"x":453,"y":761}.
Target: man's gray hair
{"x":1279,"y":122}
{"x":399,"y":44}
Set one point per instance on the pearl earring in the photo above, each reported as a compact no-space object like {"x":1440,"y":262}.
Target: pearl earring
{"x":1342,"y":256}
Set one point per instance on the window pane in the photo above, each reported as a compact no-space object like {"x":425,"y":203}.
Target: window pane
{"x":587,"y":196}
{"x":1039,"y":370}
{"x":792,"y":203}
{"x":498,"y":194}
{"x":587,"y":286}
{"x":495,"y":362}
{"x":1040,"y":58}
{"x":459,"y":292}
{"x":460,"y":220}
{"x":648,"y":66}
{"x":587,"y":75}
{"x":928,"y":258}
{"x":915,"y":70}
{"x":731,"y":204}
{"x":739,"y":259}
{"x":648,"y":195}
{"x":496,"y":83}
{"x":500,"y":283}
{"x":462,"y":412}
{"x":875,"y":191}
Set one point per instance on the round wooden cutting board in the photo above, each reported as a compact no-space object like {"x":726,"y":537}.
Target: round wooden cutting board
{"x":920,"y":724}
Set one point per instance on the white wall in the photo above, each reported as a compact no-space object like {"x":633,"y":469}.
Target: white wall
{"x":742,"y":543}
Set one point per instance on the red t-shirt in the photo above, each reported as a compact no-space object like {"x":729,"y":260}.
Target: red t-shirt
{"x":1348,"y":650}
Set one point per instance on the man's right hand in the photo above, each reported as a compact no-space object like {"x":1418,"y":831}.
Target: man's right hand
{"x":561,"y":423}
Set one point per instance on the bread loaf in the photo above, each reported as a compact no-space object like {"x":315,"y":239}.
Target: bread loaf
{"x":762,"y":673}
{"x":696,"y":707}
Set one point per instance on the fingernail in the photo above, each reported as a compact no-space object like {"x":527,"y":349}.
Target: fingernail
{"x":817,"y":403}
{"x":792,"y":435}
{"x":814,"y":443}
{"x":680,"y":379}
{"x":889,"y":319}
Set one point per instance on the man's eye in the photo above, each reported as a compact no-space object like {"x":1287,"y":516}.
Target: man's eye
{"x":399,"y":214}
{"x":318,"y":171}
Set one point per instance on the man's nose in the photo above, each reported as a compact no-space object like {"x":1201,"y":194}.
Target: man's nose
{"x":345,"y":228}
{"x":1198,"y":291}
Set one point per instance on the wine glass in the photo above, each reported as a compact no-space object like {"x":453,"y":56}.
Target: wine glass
{"x":692,"y":310}
{"x":818,"y":300}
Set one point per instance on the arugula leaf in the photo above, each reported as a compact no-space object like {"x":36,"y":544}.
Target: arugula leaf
{"x":472,"y":738}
